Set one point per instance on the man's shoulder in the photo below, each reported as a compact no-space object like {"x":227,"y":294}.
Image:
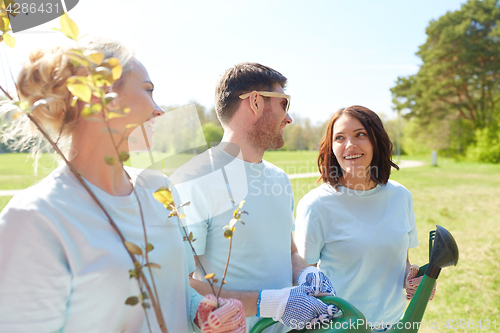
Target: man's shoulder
{"x":275,"y":169}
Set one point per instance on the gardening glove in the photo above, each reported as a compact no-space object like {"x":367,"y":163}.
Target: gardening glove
{"x":294,"y":307}
{"x":228,"y":318}
{"x":317,"y":281}
{"x":412,"y":282}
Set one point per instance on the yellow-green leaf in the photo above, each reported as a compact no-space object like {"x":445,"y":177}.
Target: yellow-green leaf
{"x":149,"y":247}
{"x":240,"y":206}
{"x":152,"y":265}
{"x":209,"y":276}
{"x":124,"y":156}
{"x":114,"y":65}
{"x":181,"y":216}
{"x":81,"y":90}
{"x":4,"y":24}
{"x":9,"y":40}
{"x":164,"y":195}
{"x":228,"y":233}
{"x":69,"y":27}
{"x":132,"y":300}
{"x":215,"y":280}
{"x":133,"y":248}
{"x":74,"y":100}
{"x":96,"y":58}
{"x":112,"y":115}
{"x":173,"y":213}
{"x":191,"y":236}
{"x":109,"y":160}
{"x":131,"y":125}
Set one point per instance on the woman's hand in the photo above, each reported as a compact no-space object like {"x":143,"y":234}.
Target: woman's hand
{"x":412,"y":282}
{"x":228,"y":318}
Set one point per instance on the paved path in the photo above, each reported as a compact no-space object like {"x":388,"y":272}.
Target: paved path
{"x":402,"y":164}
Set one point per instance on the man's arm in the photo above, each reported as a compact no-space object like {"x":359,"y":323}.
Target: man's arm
{"x":298,"y":263}
{"x":248,"y":298}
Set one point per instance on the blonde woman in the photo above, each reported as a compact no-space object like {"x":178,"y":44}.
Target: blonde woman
{"x":63,"y":267}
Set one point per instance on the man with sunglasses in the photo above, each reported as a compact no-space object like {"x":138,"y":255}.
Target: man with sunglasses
{"x":264,"y":264}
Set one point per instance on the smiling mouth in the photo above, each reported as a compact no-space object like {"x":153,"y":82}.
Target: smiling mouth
{"x":353,"y":157}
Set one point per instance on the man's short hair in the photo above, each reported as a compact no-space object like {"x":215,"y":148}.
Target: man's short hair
{"x":240,"y":79}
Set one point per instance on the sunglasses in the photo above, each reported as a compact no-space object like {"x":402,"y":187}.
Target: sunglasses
{"x":271,"y":94}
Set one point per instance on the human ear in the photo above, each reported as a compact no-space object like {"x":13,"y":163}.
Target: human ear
{"x":255,"y":102}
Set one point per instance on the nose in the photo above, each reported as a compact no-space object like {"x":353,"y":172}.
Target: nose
{"x":350,"y":143}
{"x":288,"y":119}
{"x":158,"y":111}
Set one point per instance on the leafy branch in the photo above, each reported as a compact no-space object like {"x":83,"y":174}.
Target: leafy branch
{"x":165,"y":197}
{"x":101,"y":74}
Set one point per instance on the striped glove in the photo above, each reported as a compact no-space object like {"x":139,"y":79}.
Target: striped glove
{"x":293,"y":307}
{"x":412,"y":282}
{"x":317,"y":281}
{"x":228,"y":318}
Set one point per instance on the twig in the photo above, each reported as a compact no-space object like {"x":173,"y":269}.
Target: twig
{"x":6,"y":93}
{"x":225,"y":269}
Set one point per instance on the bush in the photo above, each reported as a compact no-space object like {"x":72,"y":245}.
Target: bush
{"x":487,"y":146}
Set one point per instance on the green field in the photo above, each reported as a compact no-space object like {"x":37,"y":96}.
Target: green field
{"x":462,"y":197}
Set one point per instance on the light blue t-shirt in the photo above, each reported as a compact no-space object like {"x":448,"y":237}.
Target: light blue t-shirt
{"x":360,"y":240}
{"x":260,"y":255}
{"x":64,"y":266}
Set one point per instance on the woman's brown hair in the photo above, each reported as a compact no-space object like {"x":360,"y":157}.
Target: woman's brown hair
{"x":380,"y":166}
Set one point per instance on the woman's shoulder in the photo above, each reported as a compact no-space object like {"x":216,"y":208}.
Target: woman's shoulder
{"x":57,"y":183}
{"x":318,"y":195}
{"x":396,"y":188}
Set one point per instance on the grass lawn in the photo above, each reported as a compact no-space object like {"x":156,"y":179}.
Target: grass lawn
{"x":462,"y":197}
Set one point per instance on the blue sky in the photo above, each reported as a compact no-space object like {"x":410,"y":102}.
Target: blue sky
{"x":334,"y":53}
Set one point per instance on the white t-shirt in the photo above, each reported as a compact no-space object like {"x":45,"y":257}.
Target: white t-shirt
{"x":64,"y":267}
{"x":360,"y":239}
{"x":260,"y":255}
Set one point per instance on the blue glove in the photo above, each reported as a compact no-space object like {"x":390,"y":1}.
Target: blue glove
{"x":317,"y":281}
{"x":294,"y":307}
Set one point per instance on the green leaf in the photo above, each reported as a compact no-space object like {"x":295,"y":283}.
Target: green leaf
{"x":96,"y":58}
{"x":228,"y":233}
{"x":152,"y":265}
{"x":215,"y":280}
{"x":69,"y":27}
{"x":133,"y":248}
{"x":242,"y":202}
{"x":131,"y":125}
{"x":9,"y":40}
{"x":124,"y":156}
{"x":89,"y":110}
{"x":145,"y":305}
{"x":109,"y":160}
{"x":81,"y":90}
{"x":164,"y":196}
{"x":132,"y":300}
{"x":23,"y":105}
{"x":132,"y":273}
{"x":173,"y":213}
{"x":149,"y":247}
{"x":191,"y":236}
{"x":144,"y":295}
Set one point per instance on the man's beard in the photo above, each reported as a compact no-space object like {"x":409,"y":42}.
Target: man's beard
{"x":264,"y":134}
